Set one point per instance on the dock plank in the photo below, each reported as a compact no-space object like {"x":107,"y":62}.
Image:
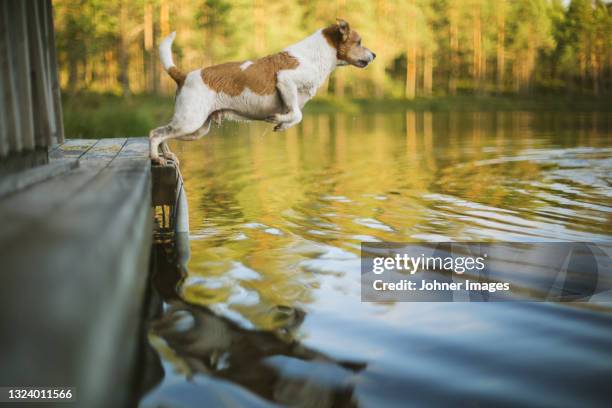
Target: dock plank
{"x":32,"y":207}
{"x":12,"y":183}
{"x":71,"y":149}
{"x":77,"y":245}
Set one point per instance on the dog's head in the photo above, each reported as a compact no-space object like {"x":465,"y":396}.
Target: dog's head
{"x":347,"y":43}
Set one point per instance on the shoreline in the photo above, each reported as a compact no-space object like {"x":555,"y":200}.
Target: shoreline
{"x":463,"y":103}
{"x":99,"y":115}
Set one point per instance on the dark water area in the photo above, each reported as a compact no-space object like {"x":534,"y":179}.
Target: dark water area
{"x":267,"y":311}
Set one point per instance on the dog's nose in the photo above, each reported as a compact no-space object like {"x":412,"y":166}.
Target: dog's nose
{"x":373,"y":56}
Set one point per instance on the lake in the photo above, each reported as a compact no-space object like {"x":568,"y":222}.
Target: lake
{"x":270,"y":312}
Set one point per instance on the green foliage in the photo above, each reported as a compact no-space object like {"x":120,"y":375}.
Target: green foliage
{"x":478,"y":46}
{"x":107,"y":115}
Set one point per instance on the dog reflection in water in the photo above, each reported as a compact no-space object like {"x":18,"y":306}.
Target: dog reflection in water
{"x":272,"y":365}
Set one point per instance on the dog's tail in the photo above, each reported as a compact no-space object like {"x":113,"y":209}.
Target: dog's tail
{"x":165,"y":54}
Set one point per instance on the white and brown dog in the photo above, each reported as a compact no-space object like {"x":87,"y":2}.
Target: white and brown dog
{"x":274,"y":88}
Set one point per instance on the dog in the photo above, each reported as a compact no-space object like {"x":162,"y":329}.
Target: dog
{"x":274,"y":88}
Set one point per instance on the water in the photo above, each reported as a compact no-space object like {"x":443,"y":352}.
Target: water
{"x":270,"y":312}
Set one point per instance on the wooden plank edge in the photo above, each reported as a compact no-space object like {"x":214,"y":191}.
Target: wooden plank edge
{"x":19,"y":181}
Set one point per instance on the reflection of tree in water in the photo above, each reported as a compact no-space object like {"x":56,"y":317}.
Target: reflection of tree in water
{"x":271,"y":364}
{"x":235,"y":223}
{"x":221,"y":208}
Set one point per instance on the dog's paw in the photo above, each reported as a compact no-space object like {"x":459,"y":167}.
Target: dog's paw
{"x":160,"y":161}
{"x":282,"y":126}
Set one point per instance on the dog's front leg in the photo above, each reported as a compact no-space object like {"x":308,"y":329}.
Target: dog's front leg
{"x":289,"y":93}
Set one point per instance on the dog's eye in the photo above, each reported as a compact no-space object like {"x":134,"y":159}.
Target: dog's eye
{"x":359,"y":43}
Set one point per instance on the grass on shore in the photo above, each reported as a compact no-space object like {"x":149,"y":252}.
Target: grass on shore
{"x":92,"y":115}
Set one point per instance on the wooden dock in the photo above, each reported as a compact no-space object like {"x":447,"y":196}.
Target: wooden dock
{"x":76,"y":230}
{"x":75,"y":243}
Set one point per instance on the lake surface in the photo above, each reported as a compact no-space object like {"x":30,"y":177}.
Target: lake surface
{"x":269,"y":311}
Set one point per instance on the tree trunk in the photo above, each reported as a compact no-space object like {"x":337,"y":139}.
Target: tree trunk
{"x":501,"y":38}
{"x":516,"y":72}
{"x":483,"y":72}
{"x":124,"y":58}
{"x":609,"y":65}
{"x":454,"y":48}
{"x":339,"y":76}
{"x":260,"y":27}
{"x":164,"y":26}
{"x":411,"y":55}
{"x":529,"y":68}
{"x":427,"y":72}
{"x":339,"y":84}
{"x":164,"y":18}
{"x":582,"y":68}
{"x":595,"y":73}
{"x":477,"y":45}
{"x":151,"y":83}
{"x":73,"y":73}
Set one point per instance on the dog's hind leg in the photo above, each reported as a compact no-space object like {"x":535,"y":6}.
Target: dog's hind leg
{"x":203,"y":130}
{"x":156,"y":137}
{"x":168,"y":155}
{"x":181,"y":125}
{"x":159,"y":136}
{"x":190,"y":113}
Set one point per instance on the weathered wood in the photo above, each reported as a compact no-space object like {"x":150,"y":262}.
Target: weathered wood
{"x":12,"y":183}
{"x":4,"y":144}
{"x":164,"y":184}
{"x":24,"y":160}
{"x":18,"y":40}
{"x":30,"y":105}
{"x":28,"y":209}
{"x":55,"y":85}
{"x":74,"y":253}
{"x":45,"y":123}
{"x":72,"y":149}
{"x":46,"y":28}
{"x":10,"y":104}
{"x":53,"y":148}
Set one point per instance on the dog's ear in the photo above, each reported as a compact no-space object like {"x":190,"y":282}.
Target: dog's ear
{"x":344,"y":28}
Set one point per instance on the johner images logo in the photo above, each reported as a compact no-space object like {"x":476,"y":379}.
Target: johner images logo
{"x":559,"y":271}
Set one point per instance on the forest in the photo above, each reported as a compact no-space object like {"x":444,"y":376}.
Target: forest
{"x":423,"y":47}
